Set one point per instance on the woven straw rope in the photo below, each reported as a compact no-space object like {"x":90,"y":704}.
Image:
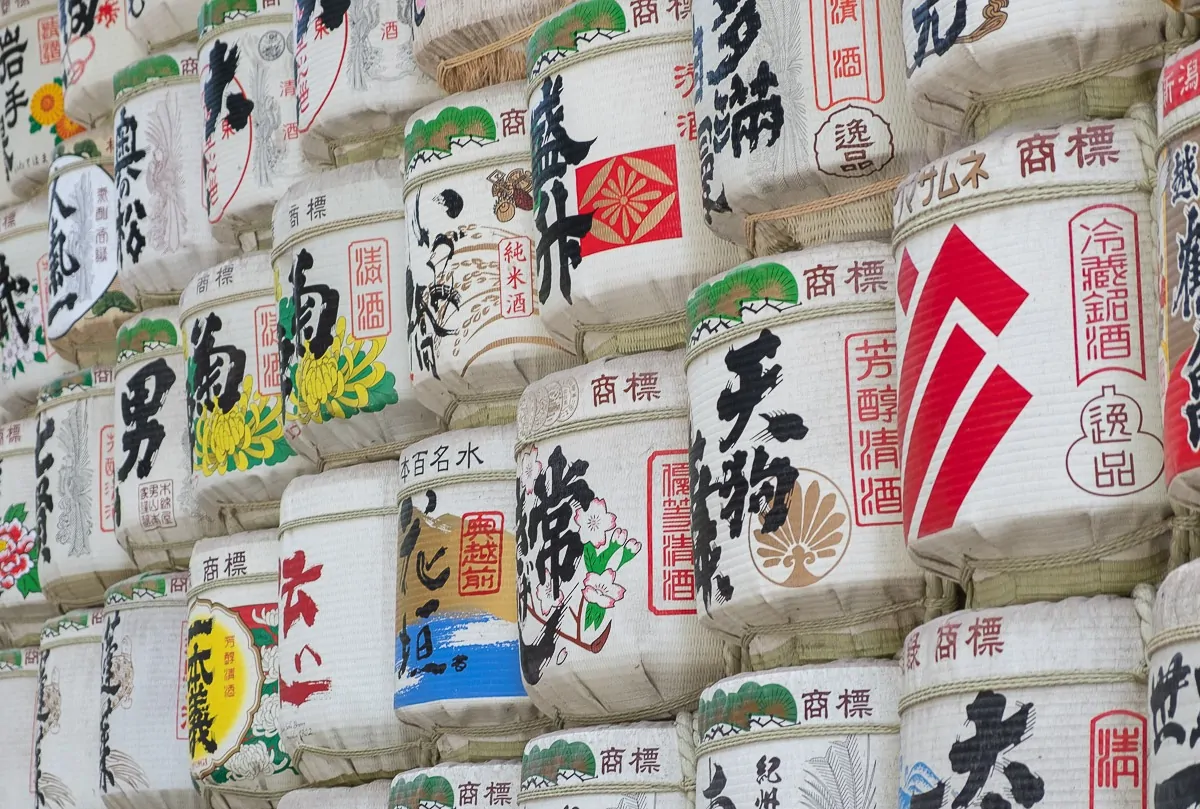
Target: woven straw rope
{"x":883,"y":188}
{"x":153,"y":300}
{"x":18,"y":674}
{"x":237,"y":297}
{"x":506,"y":400}
{"x":87,"y":162}
{"x":375,"y":452}
{"x":153,"y":353}
{"x":707,"y":748}
{"x":618,"y":46}
{"x":488,"y":476}
{"x":238,"y":581}
{"x":672,"y":326}
{"x":1051,"y":679}
{"x":69,"y":641}
{"x":598,"y":422}
{"x":334,"y":226}
{"x":16,"y":453}
{"x":515,"y":38}
{"x":413,"y":184}
{"x":153,"y":84}
{"x":678,"y":706}
{"x":26,"y":229}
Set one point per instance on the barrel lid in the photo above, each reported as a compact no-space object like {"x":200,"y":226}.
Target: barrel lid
{"x":150,"y":331}
{"x":216,"y":13}
{"x":649,"y":385}
{"x":591,"y":24}
{"x":466,"y":128}
{"x":373,"y":188}
{"x":1177,"y":603}
{"x":24,"y":660}
{"x":177,"y":63}
{"x":222,"y":561}
{"x":17,"y":437}
{"x":341,"y":491}
{"x":74,"y":626}
{"x":572,"y":758}
{"x":147,"y":587}
{"x":237,"y":278}
{"x":98,"y":378}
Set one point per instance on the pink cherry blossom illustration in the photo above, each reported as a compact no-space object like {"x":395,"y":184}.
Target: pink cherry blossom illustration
{"x":595,"y":522}
{"x":602,"y":589}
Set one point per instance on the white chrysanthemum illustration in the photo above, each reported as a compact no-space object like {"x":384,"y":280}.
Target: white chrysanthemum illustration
{"x":270,"y":662}
{"x":252,"y":761}
{"x":266,"y":719}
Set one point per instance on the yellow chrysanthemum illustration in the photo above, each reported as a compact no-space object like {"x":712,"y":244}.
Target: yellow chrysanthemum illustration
{"x":46,"y":106}
{"x":345,"y":381}
{"x":249,"y":434}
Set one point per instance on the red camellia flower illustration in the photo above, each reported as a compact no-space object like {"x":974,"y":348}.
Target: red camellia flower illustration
{"x":16,"y":548}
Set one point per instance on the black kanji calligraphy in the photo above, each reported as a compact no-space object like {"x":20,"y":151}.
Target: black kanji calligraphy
{"x":141,"y":401}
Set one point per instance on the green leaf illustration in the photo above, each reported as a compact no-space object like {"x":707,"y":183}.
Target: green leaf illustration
{"x":593,"y":616}
{"x":16,"y":511}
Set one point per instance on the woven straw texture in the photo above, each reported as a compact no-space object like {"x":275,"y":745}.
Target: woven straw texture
{"x":1047,"y":345}
{"x":476,"y":338}
{"x":158,"y":512}
{"x":250,"y":154}
{"x":608,"y":632}
{"x":597,"y":767}
{"x":144,"y":762}
{"x":76,"y":463}
{"x":1186,"y":6}
{"x":27,"y":360}
{"x":834,"y":124}
{"x":18,"y":731}
{"x":368,"y":796}
{"x":1059,"y":730}
{"x":456,"y":505}
{"x":825,"y":736}
{"x":23,"y":607}
{"x":85,"y":302}
{"x":161,"y":24}
{"x":979,"y":65}
{"x":490,"y":785}
{"x":242,"y":454}
{"x":616,"y":179}
{"x":163,"y":234}
{"x":792,"y":363}
{"x":96,"y":43}
{"x":66,"y":755}
{"x":38,"y":86}
{"x":233,"y":626}
{"x":1174,"y":653}
{"x":356,"y":79}
{"x":336,"y":646}
{"x":339,"y":262}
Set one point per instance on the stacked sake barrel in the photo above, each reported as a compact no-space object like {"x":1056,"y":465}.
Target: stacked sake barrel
{"x":96,"y":42}
{"x":19,"y":687}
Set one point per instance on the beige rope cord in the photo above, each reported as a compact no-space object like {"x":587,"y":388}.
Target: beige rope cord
{"x":506,"y":400}
{"x":224,"y":789}
{"x":1051,"y":679}
{"x":705,"y":748}
{"x":879,"y":189}
{"x":153,"y":300}
{"x":246,"y":295}
{"x":509,"y":729}
{"x":413,"y":184}
{"x":83,"y":163}
{"x":153,"y":353}
{"x":617,"y":46}
{"x":13,"y":674}
{"x":376,"y":452}
{"x":445,"y":66}
{"x":244,"y":22}
{"x":159,"y":546}
{"x":26,"y":229}
{"x":658,"y":333}
{"x":333,"y":226}
{"x":682,"y":705}
{"x":364,"y":138}
{"x":154,"y":84}
{"x":58,"y":643}
{"x":1170,"y":637}
{"x":186,"y":36}
{"x":228,"y":511}
{"x":490,"y":476}
{"x":235,"y":581}
{"x":302,"y":749}
{"x":1185,"y":535}
{"x":335,"y":516}
{"x":16,"y":453}
{"x":598,"y":422}
{"x":604,"y":788}
{"x":75,"y":396}
{"x":144,"y":603}
{"x":797,"y":314}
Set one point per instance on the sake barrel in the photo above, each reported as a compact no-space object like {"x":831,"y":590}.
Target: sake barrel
{"x":986,"y":715}
{"x":1187,"y":6}
{"x":601,"y":766}
{"x":159,"y":516}
{"x":19,"y":690}
{"x":606,"y":611}
{"x":824,"y":735}
{"x":339,"y":261}
{"x":144,"y":762}
{"x":35,"y":80}
{"x":356,"y":79}
{"x":975,"y":66}
{"x":27,"y":360}
{"x":163,"y":236}
{"x":23,"y":606}
{"x":162,"y":24}
{"x":242,"y":455}
{"x":791,"y":372}
{"x":621,"y":236}
{"x":812,"y":155}
{"x":1063,"y":381}
{"x":96,"y":43}
{"x":85,"y":301}
{"x":1174,"y":706}
{"x":336,"y":642}
{"x":368,"y":796}
{"x":492,"y":785}
{"x":251,"y":151}
{"x":66,"y":759}
{"x":475,"y":335}
{"x":458,"y":666}
{"x":232,"y":678}
{"x":76,"y":456}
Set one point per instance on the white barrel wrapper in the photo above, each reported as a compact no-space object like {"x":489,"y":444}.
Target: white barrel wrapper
{"x":336,"y":640}
{"x":986,"y":710}
{"x":233,"y":626}
{"x":159,"y":516}
{"x":838,"y":125}
{"x":242,"y":454}
{"x":647,"y":764}
{"x":792,"y":379}
{"x":85,"y":302}
{"x":96,"y":43}
{"x":964,"y":57}
{"x":27,"y":360}
{"x":458,"y":668}
{"x":163,"y":233}
{"x":66,"y":759}
{"x":616,"y":181}
{"x":76,"y":460}
{"x":490,"y":785}
{"x":1026,"y":285}
{"x":37,"y":87}
{"x":144,"y":761}
{"x":1174,"y":702}
{"x":18,"y":732}
{"x":251,"y":148}
{"x":826,"y":736}
{"x":476,"y":338}
{"x":356,"y":79}
{"x":339,"y":260}
{"x":23,"y":606}
{"x":368,"y":796}
{"x":605,"y":607}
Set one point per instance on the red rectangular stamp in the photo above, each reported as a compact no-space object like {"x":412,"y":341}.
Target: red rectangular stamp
{"x":480,"y":550}
{"x":1119,"y":760}
{"x":49,"y":45}
{"x":370,"y":288}
{"x":671,"y":575}
{"x":1180,"y":82}
{"x":871,"y":413}
{"x":266,"y":348}
{"x":847,"y":51}
{"x":516,"y":277}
